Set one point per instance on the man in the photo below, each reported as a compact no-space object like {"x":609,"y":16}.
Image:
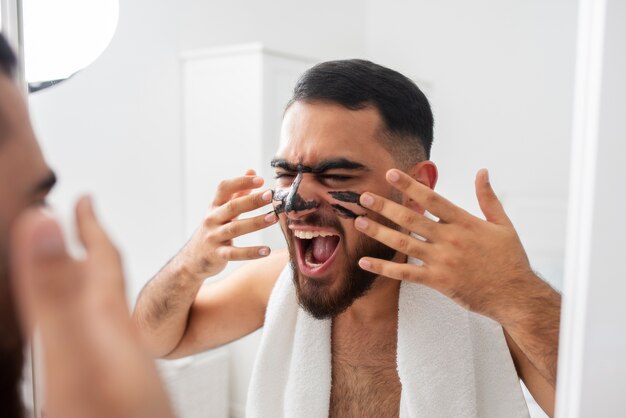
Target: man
{"x":94,"y":363}
{"x":353,"y":179}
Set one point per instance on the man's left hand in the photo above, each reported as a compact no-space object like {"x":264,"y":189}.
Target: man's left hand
{"x":477,"y":263}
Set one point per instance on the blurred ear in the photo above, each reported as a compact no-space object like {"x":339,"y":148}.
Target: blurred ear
{"x":426,"y":173}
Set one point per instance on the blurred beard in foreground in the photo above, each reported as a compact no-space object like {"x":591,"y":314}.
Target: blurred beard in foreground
{"x":11,"y":347}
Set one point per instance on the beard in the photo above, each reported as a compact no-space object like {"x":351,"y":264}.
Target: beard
{"x":11,"y":346}
{"x":315,"y":297}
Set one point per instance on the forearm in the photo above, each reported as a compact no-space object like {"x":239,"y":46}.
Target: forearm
{"x":163,"y":306}
{"x":530,"y":313}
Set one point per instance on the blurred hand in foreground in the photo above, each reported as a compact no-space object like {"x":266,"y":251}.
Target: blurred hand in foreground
{"x":94,"y":363}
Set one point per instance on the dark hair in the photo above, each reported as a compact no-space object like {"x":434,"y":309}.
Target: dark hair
{"x":357,"y":84}
{"x":7,"y":57}
{"x":7,"y":68}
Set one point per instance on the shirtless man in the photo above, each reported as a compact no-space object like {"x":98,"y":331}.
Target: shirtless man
{"x":353,"y":178}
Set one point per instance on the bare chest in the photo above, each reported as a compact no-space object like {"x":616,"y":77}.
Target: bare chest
{"x":365,"y":381}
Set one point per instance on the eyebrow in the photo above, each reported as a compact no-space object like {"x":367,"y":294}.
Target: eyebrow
{"x":46,"y":184}
{"x":332,"y":164}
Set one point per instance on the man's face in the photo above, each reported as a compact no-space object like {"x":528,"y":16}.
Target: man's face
{"x":328,"y":157}
{"x":25,"y":180}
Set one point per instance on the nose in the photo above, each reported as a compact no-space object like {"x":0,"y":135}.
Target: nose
{"x":301,"y":199}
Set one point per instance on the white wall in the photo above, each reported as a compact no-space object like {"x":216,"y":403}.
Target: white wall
{"x":323,"y":29}
{"x":500,"y":77}
{"x":114,"y":130}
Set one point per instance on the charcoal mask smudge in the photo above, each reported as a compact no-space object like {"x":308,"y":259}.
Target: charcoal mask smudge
{"x":279,"y":201}
{"x":345,"y":212}
{"x":291,"y":201}
{"x":346,"y":196}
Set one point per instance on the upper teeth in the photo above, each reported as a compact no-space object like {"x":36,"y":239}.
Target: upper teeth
{"x":312,"y":234}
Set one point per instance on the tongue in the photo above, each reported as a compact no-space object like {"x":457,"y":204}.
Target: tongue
{"x":323,"y":248}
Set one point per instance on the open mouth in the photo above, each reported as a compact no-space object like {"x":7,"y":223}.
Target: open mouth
{"x":316,"y":251}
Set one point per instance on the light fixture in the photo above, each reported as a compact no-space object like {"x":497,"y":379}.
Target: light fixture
{"x":62,"y":37}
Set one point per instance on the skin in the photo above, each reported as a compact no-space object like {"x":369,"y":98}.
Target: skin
{"x":178,"y":316}
{"x":94,"y":363}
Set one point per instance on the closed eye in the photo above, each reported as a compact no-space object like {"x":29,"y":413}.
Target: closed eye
{"x":284,"y":175}
{"x":334,"y":180}
{"x":335,"y":177}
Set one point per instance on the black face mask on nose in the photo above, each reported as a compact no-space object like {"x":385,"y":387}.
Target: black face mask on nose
{"x":291,"y":201}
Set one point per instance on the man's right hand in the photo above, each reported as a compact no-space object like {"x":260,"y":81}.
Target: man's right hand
{"x":211,"y":247}
{"x":164,"y":312}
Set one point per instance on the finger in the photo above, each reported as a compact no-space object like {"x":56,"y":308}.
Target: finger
{"x":46,"y":278}
{"x":241,"y":194}
{"x":51,"y":294}
{"x":400,"y":215}
{"x":233,"y":208}
{"x":399,"y":241}
{"x":227,"y":188}
{"x":103,"y":258}
{"x":90,"y":232}
{"x":398,"y":271}
{"x":249,"y":172}
{"x":489,"y":203}
{"x":244,"y":253}
{"x":238,"y":228}
{"x":423,"y":195}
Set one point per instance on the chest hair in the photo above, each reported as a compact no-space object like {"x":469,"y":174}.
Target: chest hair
{"x":365,"y":380}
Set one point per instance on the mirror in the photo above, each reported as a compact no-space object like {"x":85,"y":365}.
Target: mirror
{"x":499,"y":78}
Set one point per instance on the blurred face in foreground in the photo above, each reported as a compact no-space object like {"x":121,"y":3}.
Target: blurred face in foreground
{"x":25,"y":180}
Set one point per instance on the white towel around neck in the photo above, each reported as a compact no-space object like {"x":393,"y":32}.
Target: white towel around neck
{"x":451,"y":362}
